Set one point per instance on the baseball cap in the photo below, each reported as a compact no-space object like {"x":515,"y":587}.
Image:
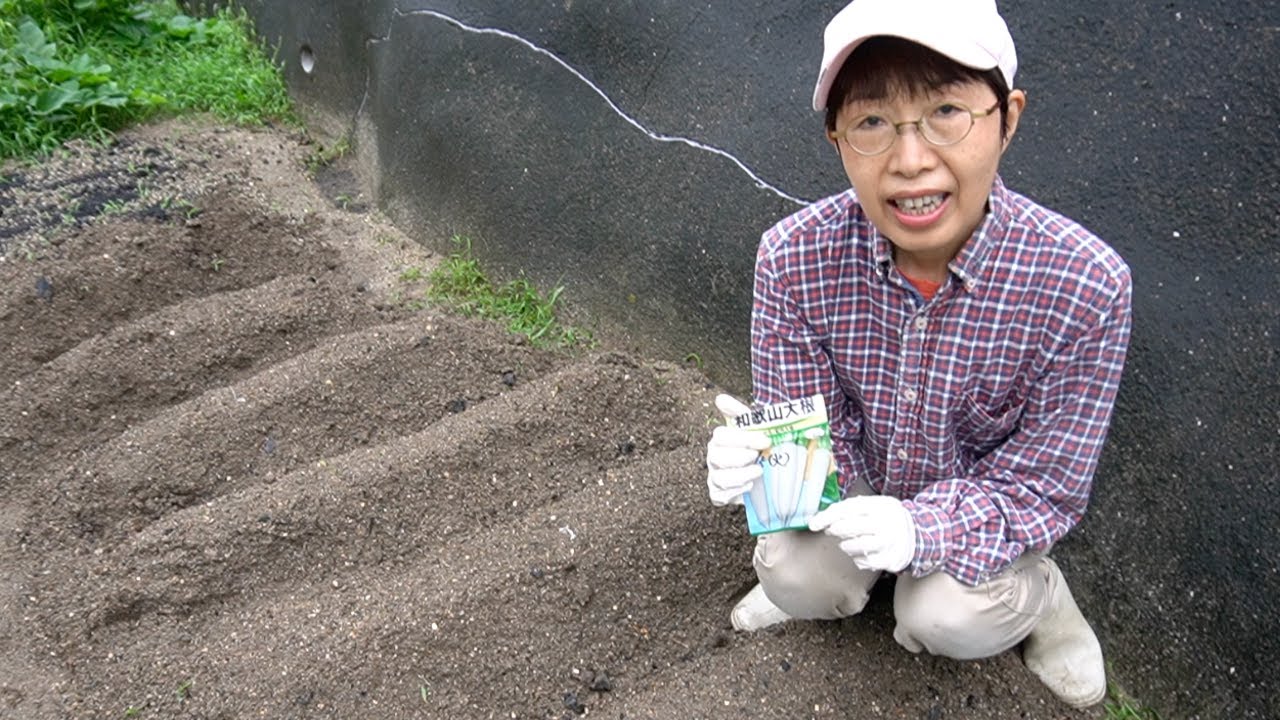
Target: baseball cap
{"x":971,"y":32}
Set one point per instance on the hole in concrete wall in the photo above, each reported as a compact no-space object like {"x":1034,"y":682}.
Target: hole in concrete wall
{"x":307,"y":59}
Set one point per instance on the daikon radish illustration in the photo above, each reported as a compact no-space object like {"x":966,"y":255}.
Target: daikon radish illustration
{"x":818,"y":464}
{"x":785,"y":476}
{"x":757,"y":498}
{"x":787,"y":493}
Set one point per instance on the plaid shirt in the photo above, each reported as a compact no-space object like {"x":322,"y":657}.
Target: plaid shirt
{"x":984,"y":409}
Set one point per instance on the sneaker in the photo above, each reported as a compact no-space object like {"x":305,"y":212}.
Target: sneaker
{"x":1063,"y":651}
{"x":756,"y":612}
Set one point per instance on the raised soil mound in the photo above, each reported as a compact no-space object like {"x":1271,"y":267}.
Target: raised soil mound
{"x":243,"y":474}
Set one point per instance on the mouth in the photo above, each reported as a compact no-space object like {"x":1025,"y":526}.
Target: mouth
{"x":919,"y":206}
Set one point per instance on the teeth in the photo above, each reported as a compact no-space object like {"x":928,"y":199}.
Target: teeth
{"x":920,"y":205}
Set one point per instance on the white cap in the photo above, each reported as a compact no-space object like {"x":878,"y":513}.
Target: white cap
{"x":971,"y":32}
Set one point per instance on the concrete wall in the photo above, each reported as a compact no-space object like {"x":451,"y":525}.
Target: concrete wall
{"x":633,"y":152}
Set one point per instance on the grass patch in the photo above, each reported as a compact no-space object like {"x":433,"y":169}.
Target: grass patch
{"x":459,"y":282}
{"x":1120,"y":706}
{"x":85,"y":68}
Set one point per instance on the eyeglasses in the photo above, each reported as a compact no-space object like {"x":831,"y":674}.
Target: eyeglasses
{"x":945,"y":124}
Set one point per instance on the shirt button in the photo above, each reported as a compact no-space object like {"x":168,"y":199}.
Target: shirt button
{"x":909,"y":395}
{"x":902,"y":454}
{"x":922,"y":322}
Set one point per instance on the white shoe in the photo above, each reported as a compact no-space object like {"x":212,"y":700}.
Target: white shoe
{"x":1063,"y":651}
{"x":756,"y":612}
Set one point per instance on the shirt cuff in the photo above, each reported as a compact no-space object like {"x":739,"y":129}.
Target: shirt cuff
{"x":931,"y":538}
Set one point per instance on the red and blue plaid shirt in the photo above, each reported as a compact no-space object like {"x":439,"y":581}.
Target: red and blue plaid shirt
{"x":984,"y":409}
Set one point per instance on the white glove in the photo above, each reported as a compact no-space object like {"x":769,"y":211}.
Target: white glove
{"x":733,"y":455}
{"x":875,"y":530}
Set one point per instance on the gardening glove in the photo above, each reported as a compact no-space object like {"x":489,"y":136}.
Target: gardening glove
{"x":875,"y":530}
{"x":733,"y":455}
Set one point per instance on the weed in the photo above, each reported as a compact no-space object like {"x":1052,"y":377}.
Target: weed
{"x":1120,"y":706}
{"x":411,"y":274}
{"x":325,"y":156}
{"x":184,"y":690}
{"x":217,"y":264}
{"x":180,"y":205}
{"x":26,"y":250}
{"x":693,"y":360}
{"x":461,"y":283}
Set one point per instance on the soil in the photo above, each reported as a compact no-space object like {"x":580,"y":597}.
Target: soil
{"x":245,"y":473}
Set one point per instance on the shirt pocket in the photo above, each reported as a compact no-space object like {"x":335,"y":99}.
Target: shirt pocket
{"x":979,"y":432}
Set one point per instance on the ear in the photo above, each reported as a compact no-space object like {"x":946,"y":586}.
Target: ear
{"x":835,"y":144}
{"x":1017,"y":103}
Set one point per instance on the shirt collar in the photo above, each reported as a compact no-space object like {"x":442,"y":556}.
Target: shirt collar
{"x":967,"y":264}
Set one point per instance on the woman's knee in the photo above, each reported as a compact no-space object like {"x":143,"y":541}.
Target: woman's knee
{"x":783,"y":569}
{"x":781,"y":561}
{"x":955,"y":620}
{"x":807,"y":579}
{"x":932,"y":613}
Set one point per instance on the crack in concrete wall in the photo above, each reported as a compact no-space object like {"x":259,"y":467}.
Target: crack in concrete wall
{"x":652,"y":135}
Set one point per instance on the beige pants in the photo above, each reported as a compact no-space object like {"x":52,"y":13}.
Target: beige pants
{"x":808,"y":576}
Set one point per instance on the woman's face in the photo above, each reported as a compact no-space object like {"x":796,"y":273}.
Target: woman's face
{"x":925,"y":198}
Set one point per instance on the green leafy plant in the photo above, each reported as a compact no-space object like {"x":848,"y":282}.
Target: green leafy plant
{"x":83,"y":68}
{"x":461,"y":283}
{"x":41,"y":93}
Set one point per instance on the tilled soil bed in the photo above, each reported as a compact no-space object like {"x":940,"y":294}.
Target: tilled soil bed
{"x":245,"y":474}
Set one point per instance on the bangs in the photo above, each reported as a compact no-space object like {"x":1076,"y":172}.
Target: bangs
{"x":884,"y":67}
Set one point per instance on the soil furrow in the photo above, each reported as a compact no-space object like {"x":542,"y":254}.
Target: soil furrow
{"x":104,"y":275}
{"x":378,"y":506}
{"x":107,"y":383}
{"x":357,"y":389}
{"x":555,"y":566}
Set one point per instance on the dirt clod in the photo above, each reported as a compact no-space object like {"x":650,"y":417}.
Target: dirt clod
{"x":601,"y":682}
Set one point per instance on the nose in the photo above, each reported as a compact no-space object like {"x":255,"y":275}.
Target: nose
{"x":911,"y":154}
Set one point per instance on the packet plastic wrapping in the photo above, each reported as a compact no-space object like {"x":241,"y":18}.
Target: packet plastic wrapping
{"x":799,"y":467}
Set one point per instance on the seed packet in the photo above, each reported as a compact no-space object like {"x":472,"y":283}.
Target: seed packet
{"x":799,"y":467}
